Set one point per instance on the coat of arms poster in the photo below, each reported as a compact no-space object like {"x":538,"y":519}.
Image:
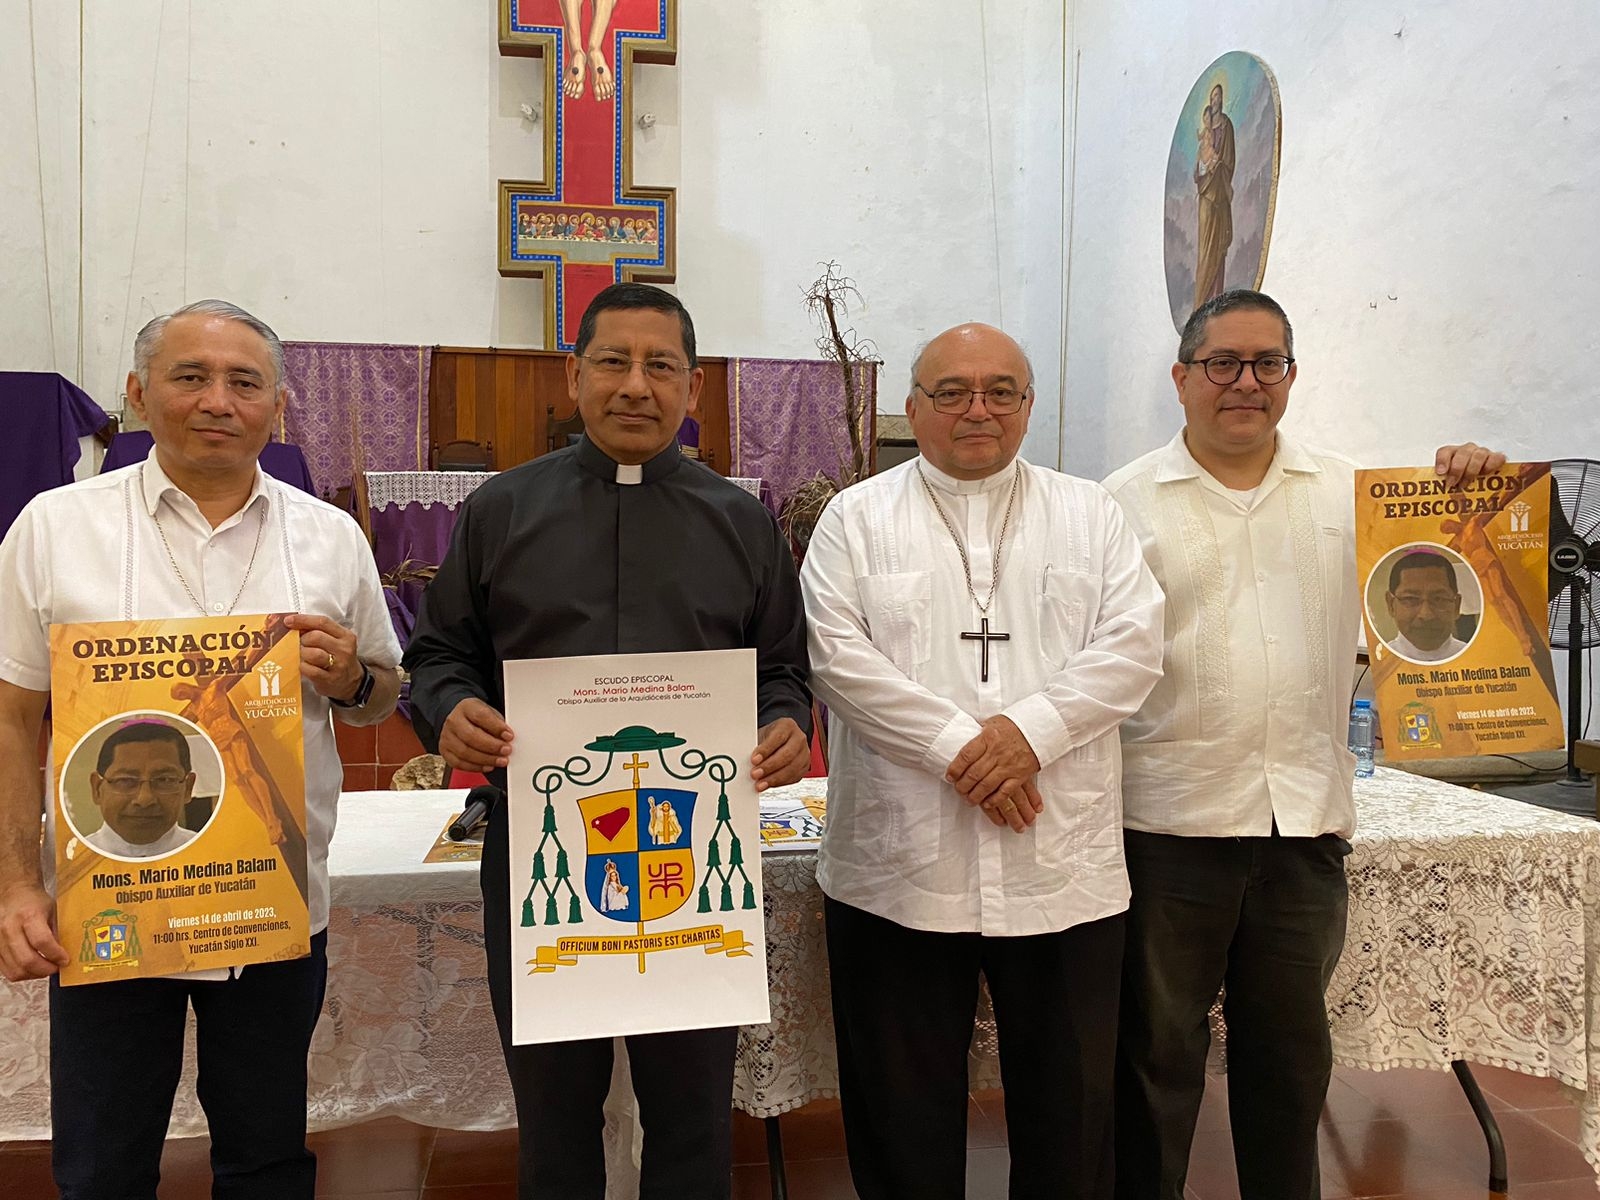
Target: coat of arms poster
{"x":635,"y":845}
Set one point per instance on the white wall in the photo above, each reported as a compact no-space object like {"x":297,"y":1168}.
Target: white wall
{"x":333,"y":167}
{"x":1435,"y":242}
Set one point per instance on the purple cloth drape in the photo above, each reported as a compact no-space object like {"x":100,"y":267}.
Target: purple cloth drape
{"x":787,"y":419}
{"x":278,"y":459}
{"x":340,"y":392}
{"x":45,"y":416}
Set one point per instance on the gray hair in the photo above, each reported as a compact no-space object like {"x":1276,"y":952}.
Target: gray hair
{"x":1236,"y":300}
{"x":149,"y":339}
{"x":922,"y":348}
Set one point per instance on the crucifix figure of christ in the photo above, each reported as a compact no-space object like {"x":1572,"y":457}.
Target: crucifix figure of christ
{"x":984,"y":636}
{"x":635,"y":766}
{"x":584,"y":225}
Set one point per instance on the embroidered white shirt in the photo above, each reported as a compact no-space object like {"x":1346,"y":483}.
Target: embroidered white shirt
{"x":886,"y":605}
{"x":1249,"y":722}
{"x":91,"y":551}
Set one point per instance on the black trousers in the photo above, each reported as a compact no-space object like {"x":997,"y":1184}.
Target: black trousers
{"x":683,"y":1083}
{"x":1264,"y":917}
{"x":116,"y":1051}
{"x":903,"y":1006}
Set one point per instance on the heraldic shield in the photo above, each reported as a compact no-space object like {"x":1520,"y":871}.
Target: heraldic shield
{"x":640,"y":860}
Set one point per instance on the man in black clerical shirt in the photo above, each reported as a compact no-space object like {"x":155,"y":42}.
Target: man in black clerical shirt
{"x":615,"y":545}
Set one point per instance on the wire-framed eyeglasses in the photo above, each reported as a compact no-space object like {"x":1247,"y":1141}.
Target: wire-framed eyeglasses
{"x":1002,"y":400}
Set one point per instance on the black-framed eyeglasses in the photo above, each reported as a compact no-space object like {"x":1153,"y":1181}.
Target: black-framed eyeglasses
{"x":1001,"y":400}
{"x":1224,"y":369}
{"x":659,"y":370}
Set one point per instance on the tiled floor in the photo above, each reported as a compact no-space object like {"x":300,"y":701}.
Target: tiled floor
{"x":1399,"y":1135}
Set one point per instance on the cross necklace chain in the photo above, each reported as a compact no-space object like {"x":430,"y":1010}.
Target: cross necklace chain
{"x":982,"y":635}
{"x":261,"y":528}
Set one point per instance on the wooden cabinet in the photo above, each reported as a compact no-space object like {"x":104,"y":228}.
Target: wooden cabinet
{"x":505,"y":399}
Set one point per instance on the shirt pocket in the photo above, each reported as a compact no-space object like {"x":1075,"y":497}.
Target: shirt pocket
{"x":1066,"y":601}
{"x":899,"y":612}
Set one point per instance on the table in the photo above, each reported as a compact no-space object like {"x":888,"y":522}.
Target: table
{"x":1474,"y":934}
{"x":1586,"y":757}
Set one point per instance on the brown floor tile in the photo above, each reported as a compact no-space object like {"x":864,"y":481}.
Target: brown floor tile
{"x":1443,"y":1153}
{"x":749,"y":1139}
{"x":1516,"y":1089}
{"x":815,"y":1131}
{"x":986,"y":1121}
{"x":814,"y":1179}
{"x":1568,"y":1189}
{"x":375,"y":1157}
{"x":472,"y":1158}
{"x":360,"y":779}
{"x":25,"y":1170}
{"x":186,"y":1169}
{"x":384,"y":776}
{"x":472,"y":1191}
{"x":1565,"y":1119}
{"x":1406,"y":1092}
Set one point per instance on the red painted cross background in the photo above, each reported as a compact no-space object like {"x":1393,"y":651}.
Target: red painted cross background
{"x":585,"y":225}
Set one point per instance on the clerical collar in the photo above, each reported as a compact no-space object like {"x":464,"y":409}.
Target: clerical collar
{"x":968,"y":487}
{"x":597,"y":462}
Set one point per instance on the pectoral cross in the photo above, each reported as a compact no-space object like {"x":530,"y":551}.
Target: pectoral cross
{"x":984,"y":636}
{"x":636,"y":766}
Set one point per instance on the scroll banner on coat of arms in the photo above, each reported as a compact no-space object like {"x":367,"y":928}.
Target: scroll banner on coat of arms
{"x":1454,"y":596}
{"x":635,"y":845}
{"x":179,"y":809}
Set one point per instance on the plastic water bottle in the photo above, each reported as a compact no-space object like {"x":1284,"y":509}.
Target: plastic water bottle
{"x":1362,"y":722}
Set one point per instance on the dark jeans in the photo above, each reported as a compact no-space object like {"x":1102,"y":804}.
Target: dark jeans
{"x":116,"y":1051}
{"x":903,"y":1006}
{"x":683,"y":1083}
{"x":1265,"y":918}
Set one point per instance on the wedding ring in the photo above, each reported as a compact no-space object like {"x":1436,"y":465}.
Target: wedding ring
{"x":331,"y":660}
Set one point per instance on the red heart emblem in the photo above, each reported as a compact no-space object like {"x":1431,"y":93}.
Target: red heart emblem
{"x":607,"y":824}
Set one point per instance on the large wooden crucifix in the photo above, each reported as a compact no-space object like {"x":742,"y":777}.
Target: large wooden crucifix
{"x":586,"y":225}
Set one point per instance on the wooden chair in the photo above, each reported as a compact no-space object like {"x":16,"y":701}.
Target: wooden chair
{"x":463,"y":455}
{"x":559,"y":432}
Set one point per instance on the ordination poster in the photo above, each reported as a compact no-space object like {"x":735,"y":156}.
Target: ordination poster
{"x":635,"y":845}
{"x":1455,"y":601}
{"x":179,"y":795}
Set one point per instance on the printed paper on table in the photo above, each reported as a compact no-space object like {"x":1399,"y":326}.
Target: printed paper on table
{"x":179,"y":805}
{"x":1454,"y":597}
{"x":635,"y":845}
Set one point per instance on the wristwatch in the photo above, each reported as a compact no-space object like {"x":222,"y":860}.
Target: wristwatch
{"x":363,"y":690}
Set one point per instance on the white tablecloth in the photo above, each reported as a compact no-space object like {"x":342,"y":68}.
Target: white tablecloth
{"x":426,"y":488}
{"x":1474,"y":933}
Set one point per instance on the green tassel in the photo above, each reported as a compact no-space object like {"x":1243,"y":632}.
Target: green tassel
{"x":527,"y":912}
{"x":722,"y":808}
{"x":735,"y":854}
{"x":727,"y":897}
{"x":561,"y":865}
{"x":575,"y":913}
{"x":713,"y":854}
{"x":705,"y":899}
{"x":550,"y":917}
{"x":749,"y":894}
{"x":549,"y":817}
{"x":538,"y":866}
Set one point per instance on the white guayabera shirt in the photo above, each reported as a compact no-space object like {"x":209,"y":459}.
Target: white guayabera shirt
{"x":1249,"y":722}
{"x":886,"y":604}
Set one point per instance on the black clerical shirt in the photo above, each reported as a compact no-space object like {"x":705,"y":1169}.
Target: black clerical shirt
{"x":555,"y":558}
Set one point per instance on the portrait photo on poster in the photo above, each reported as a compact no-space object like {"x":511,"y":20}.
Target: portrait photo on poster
{"x":141,"y":785}
{"x":1221,"y":183}
{"x":1424,"y":602}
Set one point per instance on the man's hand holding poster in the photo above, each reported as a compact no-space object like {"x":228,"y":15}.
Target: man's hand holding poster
{"x":1454,"y":595}
{"x":179,"y":808}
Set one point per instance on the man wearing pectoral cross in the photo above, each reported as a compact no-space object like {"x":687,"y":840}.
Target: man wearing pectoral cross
{"x":973,"y":798}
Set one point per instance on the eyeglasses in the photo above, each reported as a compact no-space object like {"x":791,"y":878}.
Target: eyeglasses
{"x":1224,"y":369}
{"x":1434,"y":600}
{"x":658,"y":370}
{"x":1001,"y":401}
{"x":166,"y":783}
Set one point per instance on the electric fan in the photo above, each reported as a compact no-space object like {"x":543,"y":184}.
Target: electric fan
{"x":1574,"y":574}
